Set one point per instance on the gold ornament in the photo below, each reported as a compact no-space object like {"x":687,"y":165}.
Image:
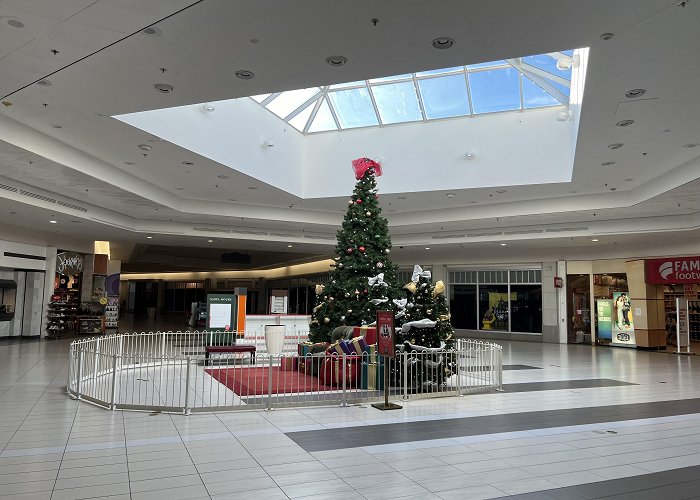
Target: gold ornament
{"x":410,"y":286}
{"x":326,"y":320}
{"x":439,"y":288}
{"x":319,"y":289}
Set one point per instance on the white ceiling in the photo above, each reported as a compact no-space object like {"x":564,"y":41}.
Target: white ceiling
{"x":106,"y":66}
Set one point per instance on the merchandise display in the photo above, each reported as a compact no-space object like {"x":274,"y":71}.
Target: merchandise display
{"x":61,"y":315}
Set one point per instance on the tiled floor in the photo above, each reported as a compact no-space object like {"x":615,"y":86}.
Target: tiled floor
{"x":589,"y":437}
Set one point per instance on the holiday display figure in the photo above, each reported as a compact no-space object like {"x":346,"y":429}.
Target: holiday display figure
{"x":364,"y":278}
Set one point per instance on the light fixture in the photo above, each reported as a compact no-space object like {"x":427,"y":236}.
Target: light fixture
{"x":501,"y":191}
{"x":402,"y":197}
{"x":624,"y":123}
{"x":616,"y":145}
{"x":149,"y":237}
{"x":53,"y":221}
{"x":244,"y":74}
{"x":427,"y":248}
{"x":164,"y":88}
{"x":128,"y":163}
{"x":336,"y":61}
{"x":208,"y":107}
{"x":504,"y":244}
{"x":469,"y":154}
{"x":607,"y":163}
{"x":269,"y":143}
{"x":179,"y":189}
{"x":152,"y":31}
{"x":210,"y":241}
{"x":187,"y":163}
{"x":252,"y":188}
{"x":635,"y":93}
{"x":44,"y":83}
{"x":443,"y":42}
{"x":14,"y":22}
{"x":606,"y":36}
{"x":144,"y":147}
{"x":450,"y":195}
{"x":629,"y":180}
{"x":594,"y":240}
{"x":565,"y":63}
{"x":290,"y":246}
{"x":55,"y":125}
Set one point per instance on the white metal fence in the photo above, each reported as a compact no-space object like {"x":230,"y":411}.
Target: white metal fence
{"x":169,"y":371}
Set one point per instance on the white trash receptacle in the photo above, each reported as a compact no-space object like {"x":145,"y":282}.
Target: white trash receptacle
{"x":274,"y":339}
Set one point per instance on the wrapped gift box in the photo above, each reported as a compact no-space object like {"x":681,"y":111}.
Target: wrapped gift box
{"x":368,"y":332}
{"x":372,"y":376}
{"x":333,"y":368}
{"x":306,"y":350}
{"x":288,"y":363}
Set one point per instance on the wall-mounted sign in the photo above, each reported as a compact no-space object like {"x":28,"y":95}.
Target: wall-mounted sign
{"x":69,"y":263}
{"x":558,"y":282}
{"x":672,"y":270}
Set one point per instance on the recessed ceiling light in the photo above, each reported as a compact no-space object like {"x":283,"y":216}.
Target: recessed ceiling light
{"x":232,"y":199}
{"x":244,"y":74}
{"x":594,"y":240}
{"x":222,"y":177}
{"x":402,"y":197}
{"x":691,"y":145}
{"x":152,"y":31}
{"x":450,"y":195}
{"x":179,"y":189}
{"x":164,"y":88}
{"x":573,"y":192}
{"x":470,"y":154}
{"x":56,"y":126}
{"x":336,"y":60}
{"x":629,"y":180}
{"x":616,"y":145}
{"x":53,"y":221}
{"x":145,"y":147}
{"x":607,"y":163}
{"x":504,"y":244}
{"x":443,"y":42}
{"x":44,"y":83}
{"x":7,"y":104}
{"x":128,"y":163}
{"x":606,"y":36}
{"x":188,"y":163}
{"x":252,"y":188}
{"x":635,"y":93}
{"x":208,"y":107}
{"x":501,"y":191}
{"x":149,"y":237}
{"x":210,"y":241}
{"x":290,"y":246}
{"x":76,"y":222}
{"x":427,"y":248}
{"x":14,"y":22}
{"x":624,"y":123}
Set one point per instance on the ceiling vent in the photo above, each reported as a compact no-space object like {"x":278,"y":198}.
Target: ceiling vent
{"x":211,"y":230}
{"x":71,"y":205}
{"x":479,"y":235}
{"x":37,"y":196}
{"x":565,"y":229}
{"x":524,"y":231}
{"x":243,"y":231}
{"x":8,"y":188}
{"x":447,"y":236}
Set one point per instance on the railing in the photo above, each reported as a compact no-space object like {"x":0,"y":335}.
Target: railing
{"x":169,"y":371}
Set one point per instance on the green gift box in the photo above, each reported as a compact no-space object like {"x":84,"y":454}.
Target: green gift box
{"x":372,"y":377}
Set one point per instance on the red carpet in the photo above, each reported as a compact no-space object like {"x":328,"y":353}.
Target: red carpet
{"x":254,"y":381}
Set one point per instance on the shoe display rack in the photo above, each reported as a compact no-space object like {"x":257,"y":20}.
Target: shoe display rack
{"x":61,"y":318}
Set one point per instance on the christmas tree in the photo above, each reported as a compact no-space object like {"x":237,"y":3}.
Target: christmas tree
{"x":426,"y":320}
{"x":364,"y":278}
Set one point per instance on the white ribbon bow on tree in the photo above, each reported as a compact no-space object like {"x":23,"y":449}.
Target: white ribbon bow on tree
{"x":376,"y":302}
{"x":378,"y":280}
{"x":419,"y":273}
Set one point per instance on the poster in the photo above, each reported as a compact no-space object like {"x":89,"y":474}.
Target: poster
{"x":622,"y":321}
{"x":682,"y":324}
{"x":221,"y":312}
{"x":604,"y":309}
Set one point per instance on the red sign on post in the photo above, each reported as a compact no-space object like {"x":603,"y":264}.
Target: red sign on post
{"x":385,"y":333}
{"x":672,"y":270}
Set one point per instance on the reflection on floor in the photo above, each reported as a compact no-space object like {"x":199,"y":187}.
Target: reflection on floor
{"x":56,"y":448}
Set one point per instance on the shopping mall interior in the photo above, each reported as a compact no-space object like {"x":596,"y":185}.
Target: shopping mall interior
{"x":175,"y":170}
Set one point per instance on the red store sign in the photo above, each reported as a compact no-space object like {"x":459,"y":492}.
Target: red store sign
{"x":672,"y":270}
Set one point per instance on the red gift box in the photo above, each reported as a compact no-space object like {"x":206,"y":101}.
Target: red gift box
{"x":288,"y":363}
{"x":368,"y":332}
{"x":332,"y":371}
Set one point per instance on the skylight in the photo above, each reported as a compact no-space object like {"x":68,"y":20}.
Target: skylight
{"x":518,"y":84}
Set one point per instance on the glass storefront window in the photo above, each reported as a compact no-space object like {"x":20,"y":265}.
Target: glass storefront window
{"x":526,"y":308}
{"x":463,"y":306}
{"x":493,"y":306}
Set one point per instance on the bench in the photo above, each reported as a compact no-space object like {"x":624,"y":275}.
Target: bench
{"x":235,"y":349}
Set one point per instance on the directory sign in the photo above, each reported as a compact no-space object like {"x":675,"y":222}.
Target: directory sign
{"x":221,"y":312}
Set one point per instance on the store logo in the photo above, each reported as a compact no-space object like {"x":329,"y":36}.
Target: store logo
{"x":623,"y":337}
{"x":666,"y":269}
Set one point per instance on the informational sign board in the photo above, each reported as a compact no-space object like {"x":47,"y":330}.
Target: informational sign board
{"x":682,"y":324}
{"x":221,"y":312}
{"x":385,"y":333}
{"x":689,"y":291}
{"x":278,"y":305}
{"x":623,"y":322}
{"x":604,"y":309}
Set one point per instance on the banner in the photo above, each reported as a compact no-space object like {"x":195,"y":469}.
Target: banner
{"x":623,"y":326}
{"x":672,"y":270}
{"x":604,"y":308}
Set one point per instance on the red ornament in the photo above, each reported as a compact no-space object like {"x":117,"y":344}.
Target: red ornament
{"x":349,"y":250}
{"x":363,"y":165}
{"x":361,"y":249}
{"x":359,"y":201}
{"x":365,"y":291}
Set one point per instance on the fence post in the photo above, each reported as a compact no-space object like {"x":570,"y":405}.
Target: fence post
{"x":269,"y":383}
{"x":186,"y":409}
{"x":499,"y":356}
{"x":80,"y":373}
{"x":96,"y":361}
{"x":405,"y":375}
{"x":343,"y":400}
{"x":113,"y":401}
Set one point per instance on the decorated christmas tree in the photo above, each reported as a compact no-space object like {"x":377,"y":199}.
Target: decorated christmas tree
{"x":364,"y":278}
{"x":425,"y":319}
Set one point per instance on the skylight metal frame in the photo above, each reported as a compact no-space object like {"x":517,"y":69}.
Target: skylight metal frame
{"x":540,"y":77}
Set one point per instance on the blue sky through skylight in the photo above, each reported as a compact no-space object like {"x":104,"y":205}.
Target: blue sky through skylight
{"x":518,"y":84}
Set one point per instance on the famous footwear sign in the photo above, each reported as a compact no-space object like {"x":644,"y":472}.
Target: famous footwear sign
{"x":673,"y":270}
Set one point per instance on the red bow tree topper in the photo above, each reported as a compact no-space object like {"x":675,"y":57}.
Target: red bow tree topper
{"x":362,"y":165}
